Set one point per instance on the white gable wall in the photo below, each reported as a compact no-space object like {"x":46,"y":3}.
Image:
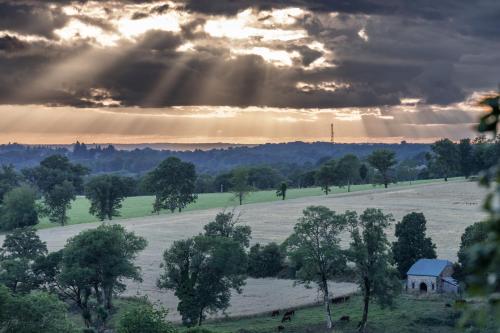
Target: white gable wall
{"x":414,"y":281}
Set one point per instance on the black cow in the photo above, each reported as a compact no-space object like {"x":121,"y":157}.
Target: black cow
{"x":275,"y":313}
{"x":286,"y":318}
{"x":345,"y":318}
{"x":281,"y":328}
{"x":340,"y":299}
{"x":290,"y":313}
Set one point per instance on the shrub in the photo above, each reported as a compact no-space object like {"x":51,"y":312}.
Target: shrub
{"x":144,"y":318}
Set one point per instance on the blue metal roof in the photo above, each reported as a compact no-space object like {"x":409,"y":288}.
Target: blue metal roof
{"x":428,"y":267}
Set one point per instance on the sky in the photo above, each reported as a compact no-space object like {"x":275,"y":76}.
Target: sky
{"x":241,"y":71}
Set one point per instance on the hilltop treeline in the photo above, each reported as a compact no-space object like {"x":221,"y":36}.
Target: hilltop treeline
{"x":103,"y":159}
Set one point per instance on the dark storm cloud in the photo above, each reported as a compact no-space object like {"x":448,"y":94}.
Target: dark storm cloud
{"x":429,"y":9}
{"x":35,"y":18}
{"x":11,"y":44}
{"x":432,"y":50}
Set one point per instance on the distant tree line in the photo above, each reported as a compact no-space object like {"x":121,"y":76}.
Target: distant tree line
{"x":176,"y":183}
{"x":136,"y":162}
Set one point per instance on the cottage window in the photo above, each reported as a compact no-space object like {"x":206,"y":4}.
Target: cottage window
{"x":413,"y":285}
{"x":432,"y":285}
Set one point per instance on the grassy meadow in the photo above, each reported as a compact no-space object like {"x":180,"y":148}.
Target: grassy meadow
{"x":412,"y":314}
{"x":142,"y":205}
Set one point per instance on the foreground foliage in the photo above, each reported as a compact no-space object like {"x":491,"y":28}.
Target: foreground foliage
{"x":203,"y":270}
{"x":93,"y":267}
{"x":144,"y":318}
{"x":37,"y":312}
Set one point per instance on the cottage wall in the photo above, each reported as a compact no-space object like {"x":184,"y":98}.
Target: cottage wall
{"x":414,"y":281}
{"x":450,"y":288}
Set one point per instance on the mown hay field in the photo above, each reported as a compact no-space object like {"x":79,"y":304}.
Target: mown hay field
{"x":448,"y":207}
{"x":142,"y":205}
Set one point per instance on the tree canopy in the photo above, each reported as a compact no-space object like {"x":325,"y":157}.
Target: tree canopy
{"x":18,"y":255}
{"x":314,"y":248}
{"x":204,"y":269}
{"x":59,"y":181}
{"x":106,"y":193}
{"x":94,"y":264}
{"x":19,"y":209}
{"x":325,"y":176}
{"x":239,"y":184}
{"x":173,"y":183}
{"x":383,"y":160}
{"x":446,"y":157}
{"x":38,"y":312}
{"x":371,"y":254}
{"x":411,"y":242}
{"x":9,"y":179}
{"x":144,"y":318}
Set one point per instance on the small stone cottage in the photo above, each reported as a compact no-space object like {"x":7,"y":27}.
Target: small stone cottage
{"x":431,"y":276}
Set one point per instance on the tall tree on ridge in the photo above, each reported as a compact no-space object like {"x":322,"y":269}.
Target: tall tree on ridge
{"x":59,"y":181}
{"x":383,"y":160}
{"x":173,"y":182}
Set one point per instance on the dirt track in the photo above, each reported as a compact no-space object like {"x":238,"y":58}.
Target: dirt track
{"x":449,"y":208}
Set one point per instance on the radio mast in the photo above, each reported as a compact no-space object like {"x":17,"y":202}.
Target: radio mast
{"x":332,"y":133}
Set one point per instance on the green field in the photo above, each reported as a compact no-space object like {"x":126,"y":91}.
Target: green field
{"x":142,"y":206}
{"x":412,"y":314}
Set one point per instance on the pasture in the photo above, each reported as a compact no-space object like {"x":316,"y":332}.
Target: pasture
{"x":411,"y":314}
{"x":142,"y":205}
{"x":448,"y":207}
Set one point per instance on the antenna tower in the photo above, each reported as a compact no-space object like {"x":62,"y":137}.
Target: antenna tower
{"x":332,"y":133}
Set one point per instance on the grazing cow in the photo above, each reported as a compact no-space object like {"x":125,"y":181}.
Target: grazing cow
{"x":340,"y":299}
{"x":290,"y":313}
{"x":448,"y":305}
{"x":281,"y":328}
{"x":345,"y":318}
{"x":286,"y":318}
{"x":275,"y":313}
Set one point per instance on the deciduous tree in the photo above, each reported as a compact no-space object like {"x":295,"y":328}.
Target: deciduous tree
{"x":106,"y":193}
{"x":466,"y":158}
{"x":370,"y":252}
{"x":94,"y":264}
{"x":412,"y":243}
{"x":314,"y":247}
{"x":363,"y":173}
{"x":9,"y":179}
{"x":59,"y":181}
{"x":445,"y":156}
{"x":204,"y":269}
{"x":18,"y":255}
{"x":173,"y":182}
{"x":383,"y":160}
{"x":325,"y":176}
{"x":38,"y":312}
{"x":144,"y":318}
{"x":265,"y":261}
{"x":239,"y":184}
{"x":347,"y":171}
{"x":473,"y":235}
{"x":281,"y":191}
{"x":19,"y":209}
